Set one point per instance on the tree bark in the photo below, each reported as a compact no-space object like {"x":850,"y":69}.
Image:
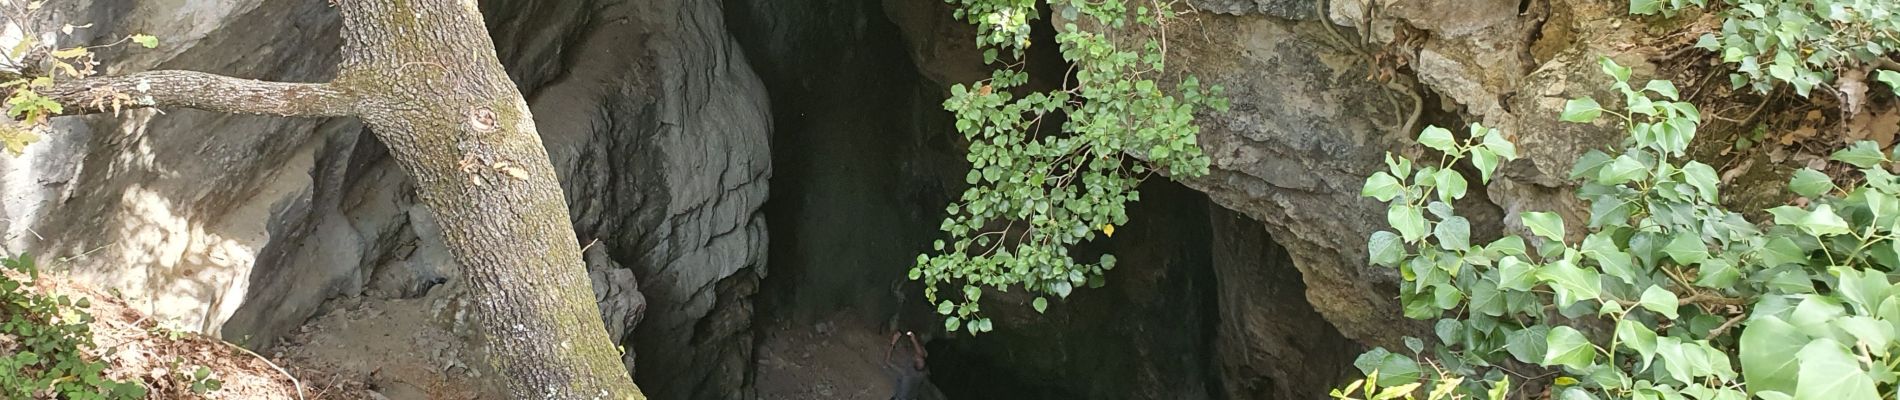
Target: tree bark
{"x":424,"y":76}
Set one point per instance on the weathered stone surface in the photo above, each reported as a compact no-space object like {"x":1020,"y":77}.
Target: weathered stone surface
{"x":246,"y":225}
{"x":1304,"y":130}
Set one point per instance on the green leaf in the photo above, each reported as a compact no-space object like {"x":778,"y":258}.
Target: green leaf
{"x":1451,"y":185}
{"x":1408,"y":220}
{"x":1810,"y":183}
{"x":1548,"y":225}
{"x":1892,"y":79}
{"x":1485,"y":161}
{"x":1638,"y":337}
{"x":1624,"y":169}
{"x":1583,"y":109}
{"x":1486,"y":299}
{"x":1449,"y":331}
{"x":1495,"y":142}
{"x":1438,"y":138}
{"x":1572,"y":284}
{"x":1610,"y":67}
{"x":1863,"y":154}
{"x":1453,"y":233}
{"x":1382,"y":186}
{"x":1829,"y":371}
{"x":1446,"y":297}
{"x":1385,"y":248}
{"x":1660,"y":300}
{"x":1718,"y":273}
{"x":1876,"y":335}
{"x":1041,"y":304}
{"x":1645,"y":7}
{"x":1823,"y":221}
{"x":1812,"y":316}
{"x":148,"y":41}
{"x":1764,"y":348}
{"x":1393,"y":369}
{"x":1686,"y":248}
{"x":1516,"y":275}
{"x":1567,"y":347}
{"x":1703,"y":178}
{"x":1662,"y":87}
{"x":1528,"y":345}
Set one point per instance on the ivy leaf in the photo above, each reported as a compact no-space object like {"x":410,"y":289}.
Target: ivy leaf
{"x":1829,"y":371}
{"x":1393,"y":369}
{"x":1764,"y":348}
{"x":1718,"y":273}
{"x":1876,"y":335}
{"x":1686,"y":248}
{"x":1381,"y":186}
{"x":1449,"y":330}
{"x":1583,"y":109}
{"x":1495,"y":142}
{"x":1892,"y":79}
{"x":1548,"y":225}
{"x":1486,"y":299}
{"x":1437,"y":138}
{"x":1645,"y":7}
{"x":1624,"y":169}
{"x":1810,"y":183}
{"x":1408,"y":220}
{"x":1572,"y":284}
{"x":1385,"y":248}
{"x":1567,"y":347}
{"x":148,"y":41}
{"x":1514,"y":274}
{"x":1453,"y":233}
{"x":1451,"y":184}
{"x":1823,"y":221}
{"x":1660,"y":300}
{"x":1041,"y":304}
{"x":1703,"y":178}
{"x":1486,"y":161}
{"x":1611,"y":68}
{"x":1661,"y":87}
{"x":1862,"y":154}
{"x":1527,"y":345}
{"x":1638,"y":337}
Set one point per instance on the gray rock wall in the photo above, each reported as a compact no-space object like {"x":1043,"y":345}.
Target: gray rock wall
{"x":245,"y":226}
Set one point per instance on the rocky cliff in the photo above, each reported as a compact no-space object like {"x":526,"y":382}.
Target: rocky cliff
{"x":667,"y":118}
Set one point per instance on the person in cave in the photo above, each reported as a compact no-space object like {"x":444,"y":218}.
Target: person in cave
{"x":909,"y":377}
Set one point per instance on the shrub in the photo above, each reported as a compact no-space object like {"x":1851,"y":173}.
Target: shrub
{"x":1667,"y":295}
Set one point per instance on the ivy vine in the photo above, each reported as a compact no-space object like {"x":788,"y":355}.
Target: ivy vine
{"x":1037,"y":189}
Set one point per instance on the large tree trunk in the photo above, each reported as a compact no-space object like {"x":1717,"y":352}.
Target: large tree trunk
{"x":424,"y":76}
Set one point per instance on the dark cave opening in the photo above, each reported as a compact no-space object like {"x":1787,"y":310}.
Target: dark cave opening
{"x":864,"y":162}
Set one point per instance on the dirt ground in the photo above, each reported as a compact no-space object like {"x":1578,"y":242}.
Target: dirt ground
{"x":135,"y":347}
{"x":840,"y":357}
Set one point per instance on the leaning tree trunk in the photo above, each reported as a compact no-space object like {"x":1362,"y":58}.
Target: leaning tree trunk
{"x":424,"y":76}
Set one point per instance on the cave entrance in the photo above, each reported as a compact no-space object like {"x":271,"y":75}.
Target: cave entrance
{"x":1203,"y":305}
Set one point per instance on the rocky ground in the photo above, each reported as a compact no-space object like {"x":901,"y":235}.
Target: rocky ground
{"x":135,"y":347}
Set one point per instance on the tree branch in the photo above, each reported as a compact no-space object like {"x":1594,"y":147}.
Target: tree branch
{"x":203,"y":91}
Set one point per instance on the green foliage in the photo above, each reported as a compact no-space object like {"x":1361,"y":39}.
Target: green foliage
{"x":1035,"y":192}
{"x":20,"y":78}
{"x":45,"y":340}
{"x":1805,"y":43}
{"x":1667,"y":295}
{"x":200,"y":379}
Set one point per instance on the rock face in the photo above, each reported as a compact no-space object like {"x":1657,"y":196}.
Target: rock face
{"x":649,"y":111}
